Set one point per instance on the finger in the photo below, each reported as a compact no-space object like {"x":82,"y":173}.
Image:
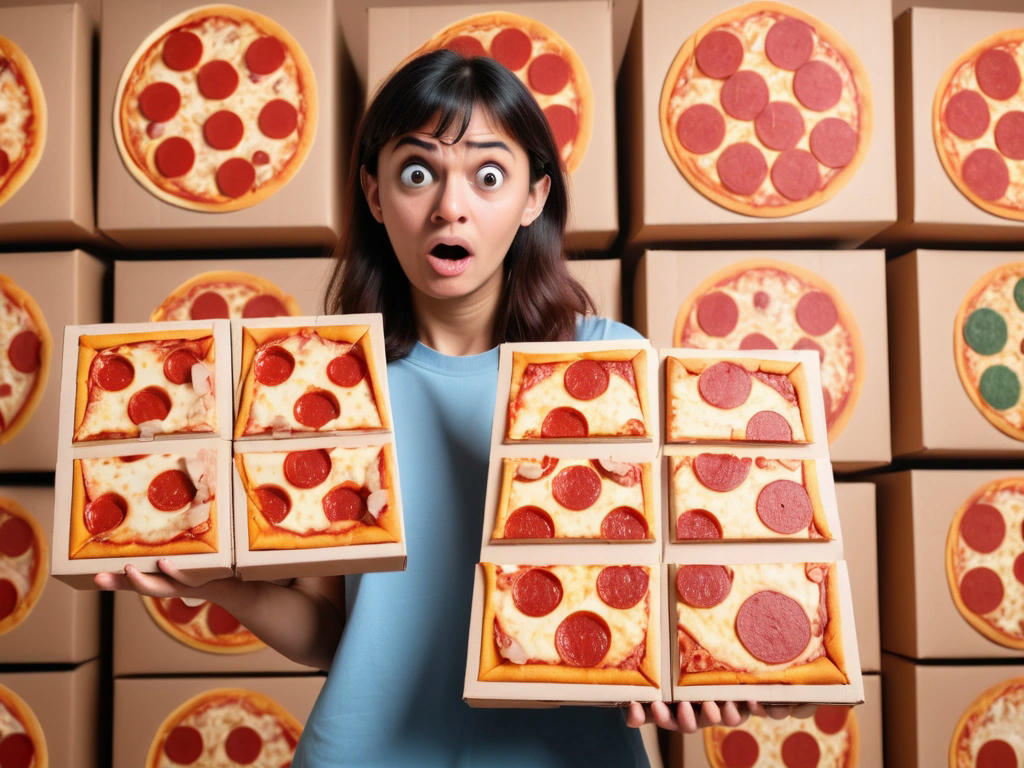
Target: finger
{"x":662,"y":715}
{"x":778,"y":711}
{"x":171,"y":570}
{"x":686,"y":718}
{"x":804,"y":710}
{"x":111,"y":581}
{"x":152,"y":584}
{"x":710,"y":714}
{"x":731,"y":715}
{"x":635,"y":714}
{"x":756,"y":708}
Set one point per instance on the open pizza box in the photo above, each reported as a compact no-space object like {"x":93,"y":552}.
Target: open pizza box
{"x":860,"y":548}
{"x":395,"y":32}
{"x":668,"y":282}
{"x":665,"y":207}
{"x":932,"y":415}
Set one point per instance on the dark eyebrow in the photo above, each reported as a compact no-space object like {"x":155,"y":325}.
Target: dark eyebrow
{"x":489,"y":145}
{"x":416,"y":143}
{"x":431,"y":147}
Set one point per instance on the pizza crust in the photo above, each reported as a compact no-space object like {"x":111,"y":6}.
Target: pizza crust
{"x":259,"y":284}
{"x":24,"y":714}
{"x":36,"y":138}
{"x":24,"y":300}
{"x":959,"y":749}
{"x":40,"y":570}
{"x":245,"y":642}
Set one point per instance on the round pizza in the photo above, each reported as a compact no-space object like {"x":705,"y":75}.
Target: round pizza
{"x":830,"y":739}
{"x":25,"y":350}
{"x":988,"y":734}
{"x":22,"y":744}
{"x":545,"y":63}
{"x":24,"y":563}
{"x":23,"y":129}
{"x":988,"y":346}
{"x":225,"y":294}
{"x":226,"y":726}
{"x":978,"y":123}
{"x":985,"y":561}
{"x":216,"y":110}
{"x":764,"y":304}
{"x":202,"y":625}
{"x":766,"y":110}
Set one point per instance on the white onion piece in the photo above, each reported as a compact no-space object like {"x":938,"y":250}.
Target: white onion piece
{"x":514,"y":652}
{"x":619,"y":468}
{"x":202,"y":381}
{"x":530,"y":470}
{"x":193,"y":602}
{"x":376,"y":502}
{"x":149,"y":428}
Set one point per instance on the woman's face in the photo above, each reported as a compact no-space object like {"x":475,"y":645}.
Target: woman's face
{"x":451,"y":210}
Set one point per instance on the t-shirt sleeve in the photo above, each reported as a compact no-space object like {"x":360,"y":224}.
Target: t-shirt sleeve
{"x":593,"y":328}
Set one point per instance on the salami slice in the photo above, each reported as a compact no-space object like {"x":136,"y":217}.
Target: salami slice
{"x":744,"y":95}
{"x":697,"y":524}
{"x":739,"y":749}
{"x":703,"y":586}
{"x":741,"y":167}
{"x":1009,"y":135}
{"x":264,"y":55}
{"x":209,"y":306}
{"x":780,"y":125}
{"x":264,"y":305}
{"x":724,"y":385}
{"x":8,"y":598}
{"x":183,"y":745}
{"x":757,"y":341}
{"x":831,"y":718}
{"x":274,"y":365}
{"x":582,"y":639}
{"x":243,"y":745}
{"x":719,"y":54}
{"x":773,"y":627}
{"x":149,"y":404}
{"x":315,"y":408}
{"x":967,"y":114}
{"x":223,"y":129}
{"x":537,"y":592}
{"x":997,"y":73}
{"x":512,"y":47}
{"x":721,"y":472}
{"x":981,"y":589}
{"x":816,"y":313}
{"x":576,"y":487}
{"x":178,"y":612}
{"x":274,"y":503}
{"x":178,"y":366}
{"x":585,"y":379}
{"x":800,"y":750}
{"x":817,"y":85}
{"x":789,"y":43}
{"x":343,"y":503}
{"x":104,"y":513}
{"x":278,"y":119}
{"x":548,"y":73}
{"x":217,"y":79}
{"x":171,"y":490}
{"x":235,"y":176}
{"x":996,"y":753}
{"x":220,"y":621}
{"x":717,"y":313}
{"x":113,"y":372}
{"x":182,"y":50}
{"x":346,"y":370}
{"x":982,"y":528}
{"x":307,"y":469}
{"x":795,"y":174}
{"x":834,"y":142}
{"x":986,"y":174}
{"x":785,"y":507}
{"x":159,"y":102}
{"x":701,"y":128}
{"x":174,"y":157}
{"x":564,"y":422}
{"x":623,"y":524}
{"x":23,"y":352}
{"x":622,"y":586}
{"x":529,"y":522}
{"x":15,"y":537}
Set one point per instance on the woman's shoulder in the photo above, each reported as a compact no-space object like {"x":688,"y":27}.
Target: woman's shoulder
{"x":594,"y":328}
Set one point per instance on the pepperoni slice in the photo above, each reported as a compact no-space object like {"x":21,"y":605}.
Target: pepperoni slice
{"x":724,"y":385}
{"x":8,"y":599}
{"x":184,"y":745}
{"x":795,"y":174}
{"x":772,"y":627}
{"x":816,"y":313}
{"x":259,"y":157}
{"x":105,"y":512}
{"x":779,"y":125}
{"x":1009,"y":135}
{"x":23,"y":352}
{"x":149,"y":404}
{"x":209,"y":306}
{"x":564,"y":422}
{"x":15,"y":537}
{"x":264,"y":55}
{"x":785,"y":507}
{"x":756,"y":341}
{"x":719,"y":54}
{"x":243,"y":744}
{"x":5,"y":162}
{"x":563,"y":122}
{"x":171,"y":490}
{"x":741,"y":168}
{"x":811,"y":344}
{"x":582,"y":639}
{"x":744,"y":95}
{"x":833,"y":142}
{"x":701,"y":128}
{"x":274,"y":502}
{"x":113,"y":372}
{"x":174,"y":157}
{"x":466,"y":46}
{"x":586,"y":379}
{"x":703,"y":586}
{"x":762,"y":300}
{"x":264,"y":305}
{"x":278,"y":119}
{"x":548,"y":73}
{"x":981,"y":590}
{"x":967,"y":114}
{"x":235,"y":176}
{"x":223,"y":130}
{"x":817,"y":85}
{"x":996,"y":753}
{"x":697,"y":524}
{"x":512,"y":48}
{"x":529,"y":522}
{"x":220,"y":621}
{"x":576,"y":487}
{"x":768,"y":427}
{"x":346,"y":370}
{"x":720,"y":471}
{"x":217,"y":79}
{"x":985,"y":174}
{"x":789,"y":43}
{"x":159,"y":102}
{"x":800,"y":750}
{"x":622,"y":586}
{"x":1018,"y":568}
{"x":982,"y":527}
{"x":182,"y":50}
{"x":314,"y":409}
{"x":831,"y":718}
{"x":623,"y":524}
{"x":307,"y":469}
{"x":178,"y":366}
{"x":717,"y":313}
{"x":178,"y":612}
{"x":343,"y":503}
{"x":997,"y":73}
{"x":739,"y":749}
{"x":537,"y":592}
{"x":274,"y":365}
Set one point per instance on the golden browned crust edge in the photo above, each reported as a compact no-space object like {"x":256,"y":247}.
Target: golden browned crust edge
{"x":24,"y":714}
{"x":810,"y":473}
{"x":979,"y":706}
{"x":36,"y":139}
{"x":22,"y":298}
{"x":231,"y":644}
{"x":509,"y":467}
{"x":28,"y":602}
{"x":261,"y":284}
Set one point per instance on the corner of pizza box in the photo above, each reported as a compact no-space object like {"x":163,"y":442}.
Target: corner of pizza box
{"x":329,"y":561}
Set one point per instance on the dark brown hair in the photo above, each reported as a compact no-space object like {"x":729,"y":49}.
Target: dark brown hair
{"x":540,"y":299}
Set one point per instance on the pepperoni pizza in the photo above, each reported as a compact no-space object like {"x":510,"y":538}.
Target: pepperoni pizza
{"x":25,"y":351}
{"x":990,"y":727}
{"x":978,"y":123}
{"x":988,"y":346}
{"x":226,"y":726}
{"x":24,"y":563}
{"x":590,"y":395}
{"x":309,"y":379}
{"x":142,"y":384}
{"x":722,"y":496}
{"x":551,"y":498}
{"x":22,"y":744}
{"x":736,"y":399}
{"x":202,"y":625}
{"x":323,"y":497}
{"x":225,"y":294}
{"x":765,"y":304}
{"x":776,"y":623}
{"x":23,"y":131}
{"x":570,"y":624}
{"x":216,"y":110}
{"x":985,"y":561}
{"x":766,"y":110}
{"x":545,"y":63}
{"x":155,"y":504}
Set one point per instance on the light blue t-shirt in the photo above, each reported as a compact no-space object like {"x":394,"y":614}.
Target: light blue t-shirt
{"x":394,"y":693}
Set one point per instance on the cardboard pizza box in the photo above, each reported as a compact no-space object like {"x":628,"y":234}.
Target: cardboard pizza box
{"x":65,"y":704}
{"x":923,"y":704}
{"x":918,"y":615}
{"x":64,"y":623}
{"x":395,"y":32}
{"x":932,"y":416}
{"x":77,"y":297}
{"x":603,"y":280}
{"x":664,"y":207}
{"x":668,"y":281}
{"x":142,"y":704}
{"x":860,"y":547}
{"x":931,"y":207}
{"x":305,"y":211}
{"x":55,"y":203}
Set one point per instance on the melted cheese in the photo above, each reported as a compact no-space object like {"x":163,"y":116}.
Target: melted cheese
{"x":235,"y":293}
{"x":13,"y":320}
{"x":770,"y":734}
{"x":16,"y":111}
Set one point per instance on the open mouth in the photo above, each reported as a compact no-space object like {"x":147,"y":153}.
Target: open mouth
{"x":449,"y":252}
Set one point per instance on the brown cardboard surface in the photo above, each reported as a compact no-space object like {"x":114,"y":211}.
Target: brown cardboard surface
{"x":76,"y":297}
{"x":931,"y":413}
{"x":666,"y":207}
{"x":56,"y":202}
{"x":603,"y":280}
{"x":64,"y":624}
{"x":919,"y":618}
{"x":141,"y":705}
{"x":394,"y":33}
{"x":857,"y":513}
{"x":666,"y":279}
{"x":64,"y":703}
{"x":303,"y":212}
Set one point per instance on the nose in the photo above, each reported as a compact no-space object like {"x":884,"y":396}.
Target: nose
{"x":451,"y":202}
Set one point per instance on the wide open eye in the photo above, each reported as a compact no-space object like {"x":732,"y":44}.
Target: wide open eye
{"x":490,"y":177}
{"x":416,"y":175}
